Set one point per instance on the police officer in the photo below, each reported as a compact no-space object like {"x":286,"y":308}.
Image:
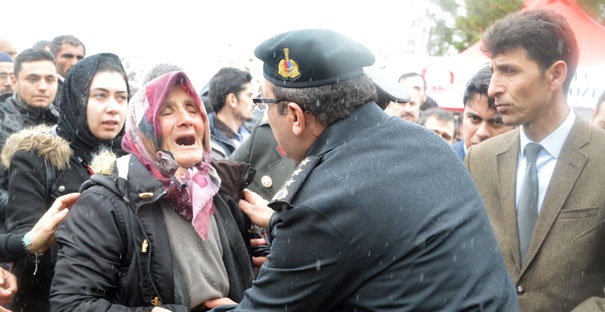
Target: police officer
{"x":367,"y":220}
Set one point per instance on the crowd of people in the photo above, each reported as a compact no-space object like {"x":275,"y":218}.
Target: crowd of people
{"x":328,"y":189}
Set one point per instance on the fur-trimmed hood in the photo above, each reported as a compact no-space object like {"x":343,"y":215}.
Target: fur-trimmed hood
{"x":103,"y":162}
{"x":41,"y":140}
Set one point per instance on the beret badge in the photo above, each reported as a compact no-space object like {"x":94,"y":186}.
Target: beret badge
{"x":288,"y":68}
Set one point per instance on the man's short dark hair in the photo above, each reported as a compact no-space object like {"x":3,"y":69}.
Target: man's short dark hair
{"x":226,"y":81}
{"x":57,"y":43}
{"x":478,"y":84}
{"x":41,"y":44}
{"x":410,"y":75}
{"x":544,"y":34}
{"x":439,"y":114}
{"x":159,"y":70}
{"x":31,"y":55}
{"x":332,"y":102}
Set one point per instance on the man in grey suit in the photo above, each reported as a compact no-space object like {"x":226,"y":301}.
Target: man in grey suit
{"x":558,"y":264}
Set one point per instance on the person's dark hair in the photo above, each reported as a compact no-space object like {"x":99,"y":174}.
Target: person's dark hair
{"x":600,"y":102}
{"x":31,"y":55}
{"x":332,"y":102}
{"x":226,"y":81}
{"x":159,"y":70}
{"x":438,"y":113}
{"x":206,"y":99}
{"x":478,"y":84}
{"x":73,"y":122}
{"x":110,"y":65}
{"x":57,"y":43}
{"x":544,"y":34}
{"x":77,"y":83}
{"x":412,"y":74}
{"x":41,"y":44}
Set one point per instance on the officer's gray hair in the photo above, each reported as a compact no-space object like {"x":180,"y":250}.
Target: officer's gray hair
{"x":332,"y":102}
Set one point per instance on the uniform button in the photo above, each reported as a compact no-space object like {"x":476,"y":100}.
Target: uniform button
{"x":266,"y":181}
{"x":61,"y":188}
{"x":520,"y":290}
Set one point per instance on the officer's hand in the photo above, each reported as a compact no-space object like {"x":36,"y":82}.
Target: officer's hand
{"x":213,"y":303}
{"x":256,"y":208}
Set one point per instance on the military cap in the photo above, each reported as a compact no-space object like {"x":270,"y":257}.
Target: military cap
{"x":312,"y":57}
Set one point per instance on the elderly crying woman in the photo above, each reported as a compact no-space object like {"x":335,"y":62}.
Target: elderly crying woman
{"x":161,"y":230}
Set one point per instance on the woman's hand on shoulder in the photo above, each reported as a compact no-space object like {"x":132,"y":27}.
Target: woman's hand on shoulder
{"x":42,"y":235}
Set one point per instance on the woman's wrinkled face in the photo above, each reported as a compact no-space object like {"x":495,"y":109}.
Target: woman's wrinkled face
{"x":182,"y":127}
{"x":107,"y":105}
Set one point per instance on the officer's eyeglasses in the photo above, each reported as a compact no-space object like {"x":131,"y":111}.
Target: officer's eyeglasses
{"x":262,"y":103}
{"x":4,"y":76}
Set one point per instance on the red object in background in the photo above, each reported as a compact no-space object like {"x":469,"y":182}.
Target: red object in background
{"x":585,"y":89}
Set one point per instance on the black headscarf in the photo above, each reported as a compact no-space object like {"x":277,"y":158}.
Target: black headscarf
{"x":73,"y":125}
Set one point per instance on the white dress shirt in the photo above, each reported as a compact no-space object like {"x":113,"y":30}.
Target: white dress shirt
{"x":547,"y":158}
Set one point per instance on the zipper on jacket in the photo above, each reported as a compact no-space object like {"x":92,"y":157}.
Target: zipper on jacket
{"x":158,"y":298}
{"x":144,"y":246}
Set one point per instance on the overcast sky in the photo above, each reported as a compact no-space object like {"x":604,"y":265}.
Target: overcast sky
{"x":202,"y":36}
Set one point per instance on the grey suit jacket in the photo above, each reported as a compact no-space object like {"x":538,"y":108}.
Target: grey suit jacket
{"x":565,"y":262}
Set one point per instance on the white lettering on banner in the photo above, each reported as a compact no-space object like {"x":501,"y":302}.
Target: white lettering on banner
{"x":586,"y":87}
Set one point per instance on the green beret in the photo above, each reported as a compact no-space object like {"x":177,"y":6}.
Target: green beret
{"x":312,"y":57}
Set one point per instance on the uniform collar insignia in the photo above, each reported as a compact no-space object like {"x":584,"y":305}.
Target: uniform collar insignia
{"x":283,"y":191}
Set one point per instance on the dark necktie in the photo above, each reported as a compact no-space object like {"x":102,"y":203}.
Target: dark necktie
{"x":528,"y":202}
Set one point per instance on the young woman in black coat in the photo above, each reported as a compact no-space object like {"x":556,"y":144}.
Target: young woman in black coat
{"x":45,"y":163}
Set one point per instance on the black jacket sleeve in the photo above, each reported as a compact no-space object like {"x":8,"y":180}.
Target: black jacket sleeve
{"x":27,"y":200}
{"x":93,"y":256}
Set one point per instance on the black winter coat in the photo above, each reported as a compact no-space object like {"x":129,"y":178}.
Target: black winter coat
{"x":380,"y":216}
{"x":14,"y":116}
{"x":114,"y":251}
{"x":41,"y":167}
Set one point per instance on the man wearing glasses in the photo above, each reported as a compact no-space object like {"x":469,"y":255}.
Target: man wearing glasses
{"x":363,"y":223}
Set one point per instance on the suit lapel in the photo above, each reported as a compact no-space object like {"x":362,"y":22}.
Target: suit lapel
{"x":569,"y":166}
{"x":507,"y":172}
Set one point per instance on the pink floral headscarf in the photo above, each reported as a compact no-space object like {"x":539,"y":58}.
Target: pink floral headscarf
{"x":191,"y":197}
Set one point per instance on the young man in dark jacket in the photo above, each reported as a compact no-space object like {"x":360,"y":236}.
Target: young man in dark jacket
{"x":35,"y":79}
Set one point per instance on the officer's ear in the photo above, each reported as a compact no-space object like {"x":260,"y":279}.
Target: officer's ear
{"x":297,"y":118}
